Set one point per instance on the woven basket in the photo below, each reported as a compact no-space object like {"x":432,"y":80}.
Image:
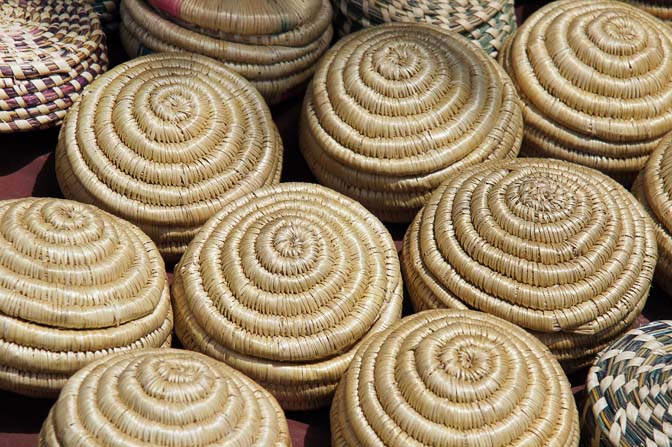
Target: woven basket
{"x":75,"y":285}
{"x":595,"y":78}
{"x":275,"y":51}
{"x":163,"y":398}
{"x":488,"y":23}
{"x":49,"y":51}
{"x":396,"y":109}
{"x":628,"y":391}
{"x":165,"y":141}
{"x":454,"y":378}
{"x":284,"y":284}
{"x":653,"y":188}
{"x":107,"y":9}
{"x":659,"y":8}
{"x":554,"y":247}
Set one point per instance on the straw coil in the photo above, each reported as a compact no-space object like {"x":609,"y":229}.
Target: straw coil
{"x":284,"y":284}
{"x":49,"y":51}
{"x":166,"y":398}
{"x":628,"y":391}
{"x":454,"y":378}
{"x":107,"y":9}
{"x":488,"y":23}
{"x":396,"y":109}
{"x":561,"y":250}
{"x":275,"y":45}
{"x":659,"y":8}
{"x":165,"y":141}
{"x":595,"y":78}
{"x":76,"y":284}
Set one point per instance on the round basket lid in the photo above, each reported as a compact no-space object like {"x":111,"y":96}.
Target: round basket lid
{"x":283,"y":285}
{"x":450,"y":377}
{"x":396,"y":109}
{"x":75,"y":284}
{"x":165,"y":141}
{"x":164,"y":397}
{"x":596,"y":81}
{"x":559,"y":249}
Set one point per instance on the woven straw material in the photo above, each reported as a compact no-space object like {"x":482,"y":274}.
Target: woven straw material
{"x":75,"y":285}
{"x":488,"y":23}
{"x":284,"y":284}
{"x":628,"y":391}
{"x":659,"y":8}
{"x":396,"y":109}
{"x":454,"y":378}
{"x":166,"y":398}
{"x":165,"y":141}
{"x":554,"y":247}
{"x":275,"y":51}
{"x":49,"y":51}
{"x":595,"y":78}
{"x":653,"y":188}
{"x":107,"y":9}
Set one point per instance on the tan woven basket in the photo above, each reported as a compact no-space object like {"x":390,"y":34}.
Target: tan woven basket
{"x":554,"y":247}
{"x":165,"y":141}
{"x":659,"y":8}
{"x":396,"y":109}
{"x":284,"y":284}
{"x":275,"y":45}
{"x":596,"y":80}
{"x":76,"y":284}
{"x":163,"y":398}
{"x":49,"y":51}
{"x":629,"y":391}
{"x":107,"y":9}
{"x":451,"y":377}
{"x":653,"y":188}
{"x":488,"y":23}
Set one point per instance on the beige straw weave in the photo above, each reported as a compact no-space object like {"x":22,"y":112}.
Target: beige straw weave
{"x":556,"y":248}
{"x":488,"y":23}
{"x":165,"y":398}
{"x":284,"y":284}
{"x":596,"y":80}
{"x":75,"y":285}
{"x":276,"y":51}
{"x":659,"y":8}
{"x":454,"y":378}
{"x":107,"y":9}
{"x":396,"y":109}
{"x":653,"y":188}
{"x":629,"y":392}
{"x":165,"y":141}
{"x":49,"y":51}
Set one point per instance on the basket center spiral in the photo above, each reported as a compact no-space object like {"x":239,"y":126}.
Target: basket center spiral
{"x":398,"y":61}
{"x":543,"y":195}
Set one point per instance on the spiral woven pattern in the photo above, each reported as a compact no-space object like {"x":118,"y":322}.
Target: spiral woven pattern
{"x":164,"y":398}
{"x":452,"y":377}
{"x":284,"y":284}
{"x":659,"y":8}
{"x":275,"y":45}
{"x":628,"y":391}
{"x":396,"y":109}
{"x":488,"y":23}
{"x":595,"y":78}
{"x":165,"y":141}
{"x":75,"y":284}
{"x":556,"y":248}
{"x":49,"y":51}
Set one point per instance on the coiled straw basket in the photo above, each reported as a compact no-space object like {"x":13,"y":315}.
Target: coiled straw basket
{"x":49,"y":51}
{"x":165,"y":141}
{"x":561,"y":250}
{"x":275,"y":45}
{"x":284,"y":284}
{"x":488,"y":23}
{"x":596,"y":81}
{"x":659,"y":8}
{"x":629,"y":391}
{"x":454,"y":377}
{"x":396,"y":109}
{"x":164,"y":397}
{"x":107,"y":9}
{"x":653,"y":188}
{"x":76,"y":284}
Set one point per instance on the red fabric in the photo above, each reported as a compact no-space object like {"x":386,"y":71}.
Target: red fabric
{"x":171,"y":7}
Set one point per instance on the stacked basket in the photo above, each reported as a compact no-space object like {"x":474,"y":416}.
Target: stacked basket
{"x":275,"y":45}
{"x":659,"y":8}
{"x":49,"y":51}
{"x":108,"y":11}
{"x":486,"y":22}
